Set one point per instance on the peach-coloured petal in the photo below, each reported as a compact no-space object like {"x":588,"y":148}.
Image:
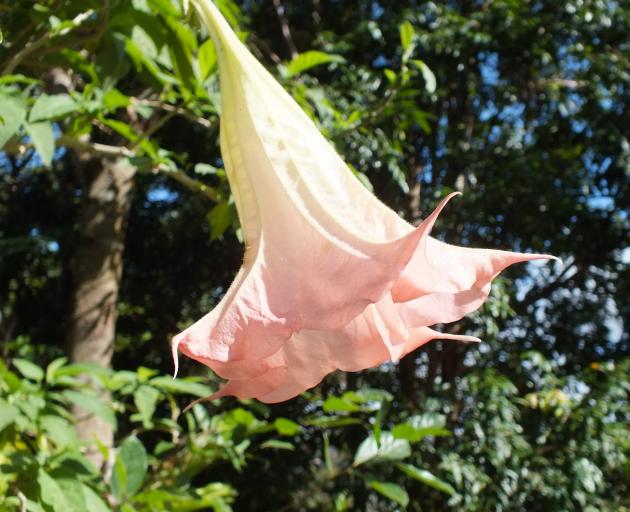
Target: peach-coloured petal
{"x":312,"y":355}
{"x":448,"y":268}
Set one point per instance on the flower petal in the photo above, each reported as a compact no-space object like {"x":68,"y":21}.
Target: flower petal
{"x":445,"y":268}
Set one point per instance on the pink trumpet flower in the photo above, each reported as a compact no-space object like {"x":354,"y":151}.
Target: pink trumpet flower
{"x":332,"y":278}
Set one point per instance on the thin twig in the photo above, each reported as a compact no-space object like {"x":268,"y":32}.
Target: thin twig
{"x":33,"y":46}
{"x":172,"y":108}
{"x":152,"y":129}
{"x":286,"y":31}
{"x":190,"y":183}
{"x":23,"y":501}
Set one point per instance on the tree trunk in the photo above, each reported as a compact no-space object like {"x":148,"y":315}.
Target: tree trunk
{"x":96,"y":272}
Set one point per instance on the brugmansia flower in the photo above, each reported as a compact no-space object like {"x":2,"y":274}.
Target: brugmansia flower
{"x":332,"y":278}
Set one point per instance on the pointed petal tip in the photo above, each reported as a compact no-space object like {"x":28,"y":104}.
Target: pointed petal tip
{"x":462,"y":338}
{"x":174,"y":353}
{"x":549,"y":257}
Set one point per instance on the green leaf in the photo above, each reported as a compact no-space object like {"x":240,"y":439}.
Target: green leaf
{"x":43,"y":140}
{"x":430,"y":83}
{"x":114,"y":99}
{"x":286,"y":427}
{"x":207,"y":58}
{"x":52,"y":368}
{"x":331,"y":422}
{"x":51,"y":493}
{"x":181,"y":58}
{"x":407,"y":33}
{"x":72,"y":489}
{"x":52,"y":107}
{"x":426,"y":477}
{"x":69,"y":372}
{"x":420,"y":426}
{"x":130,"y":468}
{"x":388,"y":449}
{"x":59,"y":430}
{"x":392,"y":491}
{"x":340,"y":404}
{"x":7,"y":414}
{"x":181,"y":386}
{"x":13,"y":113}
{"x":145,"y":398}
{"x":413,"y":434}
{"x":310,"y":59}
{"x":206,"y":169}
{"x":29,"y":370}
{"x":93,"y":502}
{"x":220,"y":219}
{"x":91,"y":403}
{"x":588,"y":475}
{"x":391,"y":75}
{"x":278,"y":445}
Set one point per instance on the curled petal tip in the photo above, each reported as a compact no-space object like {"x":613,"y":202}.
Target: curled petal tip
{"x":174,"y":352}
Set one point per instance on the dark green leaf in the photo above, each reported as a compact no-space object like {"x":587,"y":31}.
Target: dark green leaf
{"x":130,"y":468}
{"x":426,"y":477}
{"x":51,"y":493}
{"x":392,"y":491}
{"x":278,"y":445}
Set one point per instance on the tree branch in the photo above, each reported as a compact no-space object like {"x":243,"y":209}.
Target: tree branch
{"x":96,"y":148}
{"x":172,"y":108}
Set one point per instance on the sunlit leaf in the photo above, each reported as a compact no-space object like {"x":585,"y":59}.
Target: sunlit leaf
{"x":310,"y":59}
{"x":30,"y":370}
{"x":389,"y":448}
{"x":43,"y":140}
{"x":392,"y":491}
{"x":426,"y":477}
{"x":52,"y":107}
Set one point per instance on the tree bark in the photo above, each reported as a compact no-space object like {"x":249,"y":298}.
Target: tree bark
{"x":96,"y":269}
